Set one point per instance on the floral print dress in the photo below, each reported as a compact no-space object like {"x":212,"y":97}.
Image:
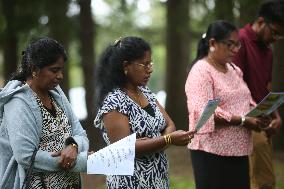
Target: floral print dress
{"x":204,"y":83}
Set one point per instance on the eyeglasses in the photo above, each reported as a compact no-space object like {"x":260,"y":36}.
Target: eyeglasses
{"x":232,"y":44}
{"x":145,"y":65}
{"x":275,"y":34}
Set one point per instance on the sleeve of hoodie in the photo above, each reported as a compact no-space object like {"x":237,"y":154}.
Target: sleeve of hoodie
{"x":78,"y":135}
{"x":24,"y":135}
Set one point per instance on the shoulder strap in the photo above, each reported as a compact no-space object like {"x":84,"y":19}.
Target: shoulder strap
{"x":29,"y":172}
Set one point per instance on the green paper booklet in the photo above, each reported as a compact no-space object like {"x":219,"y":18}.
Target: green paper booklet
{"x":269,"y":104}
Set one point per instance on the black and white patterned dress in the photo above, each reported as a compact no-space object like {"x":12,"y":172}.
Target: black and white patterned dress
{"x":55,"y":130}
{"x":150,"y":171}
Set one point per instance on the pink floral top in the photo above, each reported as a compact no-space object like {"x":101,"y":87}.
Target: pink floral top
{"x":204,"y":82}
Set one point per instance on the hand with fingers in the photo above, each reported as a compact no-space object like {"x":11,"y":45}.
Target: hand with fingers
{"x":180,"y":137}
{"x":272,"y":127}
{"x":255,"y":123}
{"x":68,"y":156}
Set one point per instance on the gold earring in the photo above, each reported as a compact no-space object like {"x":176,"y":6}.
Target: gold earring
{"x":125,"y":72}
{"x":34,"y":74}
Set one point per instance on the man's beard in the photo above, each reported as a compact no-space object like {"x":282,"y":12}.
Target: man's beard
{"x":260,"y":41}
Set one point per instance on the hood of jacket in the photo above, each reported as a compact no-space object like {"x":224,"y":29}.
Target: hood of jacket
{"x":15,"y":87}
{"x":10,"y":89}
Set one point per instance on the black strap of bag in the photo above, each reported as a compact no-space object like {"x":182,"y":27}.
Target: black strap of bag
{"x":26,"y":184}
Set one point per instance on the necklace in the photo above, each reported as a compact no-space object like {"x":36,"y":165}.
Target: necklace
{"x":45,"y":99}
{"x":218,"y":67}
{"x":137,"y":96}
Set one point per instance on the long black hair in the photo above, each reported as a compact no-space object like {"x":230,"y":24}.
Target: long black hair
{"x":110,"y":73}
{"x":39,"y":54}
{"x":218,"y":30}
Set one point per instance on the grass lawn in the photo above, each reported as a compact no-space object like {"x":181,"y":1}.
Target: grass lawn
{"x":181,"y":176}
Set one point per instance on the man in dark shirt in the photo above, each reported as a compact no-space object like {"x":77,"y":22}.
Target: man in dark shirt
{"x":255,"y":60}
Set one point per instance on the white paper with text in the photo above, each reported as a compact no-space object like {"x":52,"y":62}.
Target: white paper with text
{"x":115,"y":159}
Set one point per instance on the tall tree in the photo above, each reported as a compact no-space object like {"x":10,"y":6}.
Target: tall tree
{"x":10,"y":41}
{"x":177,"y":45}
{"x":277,"y":81}
{"x":21,"y":20}
{"x":59,"y":24}
{"x":248,"y":11}
{"x":87,"y":40}
{"x":224,"y":10}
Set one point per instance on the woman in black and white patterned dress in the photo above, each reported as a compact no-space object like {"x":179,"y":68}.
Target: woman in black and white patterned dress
{"x":128,"y":106}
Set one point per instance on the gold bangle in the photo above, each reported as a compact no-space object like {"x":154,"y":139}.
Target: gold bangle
{"x":168,"y":139}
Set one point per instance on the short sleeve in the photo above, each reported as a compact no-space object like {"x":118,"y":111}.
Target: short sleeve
{"x":115,"y":100}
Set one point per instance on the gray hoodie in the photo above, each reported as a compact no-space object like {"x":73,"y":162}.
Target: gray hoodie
{"x":20,"y":132}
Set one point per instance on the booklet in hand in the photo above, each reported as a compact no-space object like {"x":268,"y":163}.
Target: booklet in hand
{"x":269,"y":104}
{"x":207,"y":112}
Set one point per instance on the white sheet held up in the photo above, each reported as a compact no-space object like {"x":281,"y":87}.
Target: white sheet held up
{"x":115,"y":159}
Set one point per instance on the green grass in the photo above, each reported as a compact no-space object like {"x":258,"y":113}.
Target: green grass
{"x":181,"y":183}
{"x":279,"y":170}
{"x":181,"y":176}
{"x":178,"y":182}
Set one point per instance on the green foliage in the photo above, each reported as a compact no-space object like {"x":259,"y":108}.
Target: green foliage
{"x":125,"y":21}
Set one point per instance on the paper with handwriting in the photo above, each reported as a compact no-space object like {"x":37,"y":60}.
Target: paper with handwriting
{"x":115,"y":159}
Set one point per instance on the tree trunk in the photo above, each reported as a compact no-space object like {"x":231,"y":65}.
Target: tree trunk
{"x":10,"y":44}
{"x":59,"y":25}
{"x":177,"y":44}
{"x":248,"y":11}
{"x":278,"y":85}
{"x":224,"y":10}
{"x":87,"y":38}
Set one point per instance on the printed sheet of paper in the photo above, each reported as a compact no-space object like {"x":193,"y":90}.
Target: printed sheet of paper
{"x":270,"y":103}
{"x":115,"y":159}
{"x":207,"y":112}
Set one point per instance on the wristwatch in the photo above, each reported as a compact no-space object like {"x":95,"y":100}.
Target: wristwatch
{"x":243,"y":119}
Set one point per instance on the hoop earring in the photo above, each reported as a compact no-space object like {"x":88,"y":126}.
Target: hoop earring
{"x":212,"y":49}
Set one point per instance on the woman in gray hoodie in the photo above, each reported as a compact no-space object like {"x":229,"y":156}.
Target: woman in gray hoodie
{"x":36,"y":116}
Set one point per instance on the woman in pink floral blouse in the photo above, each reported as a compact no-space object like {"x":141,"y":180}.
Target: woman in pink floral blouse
{"x":220,"y":149}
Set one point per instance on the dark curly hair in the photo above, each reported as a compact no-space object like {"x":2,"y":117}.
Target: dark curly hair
{"x":40,"y":53}
{"x":110,"y":74}
{"x":272,"y":11}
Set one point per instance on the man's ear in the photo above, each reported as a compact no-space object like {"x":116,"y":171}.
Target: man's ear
{"x":260,"y":22}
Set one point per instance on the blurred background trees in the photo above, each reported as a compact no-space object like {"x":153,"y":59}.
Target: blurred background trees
{"x":86,"y":27}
